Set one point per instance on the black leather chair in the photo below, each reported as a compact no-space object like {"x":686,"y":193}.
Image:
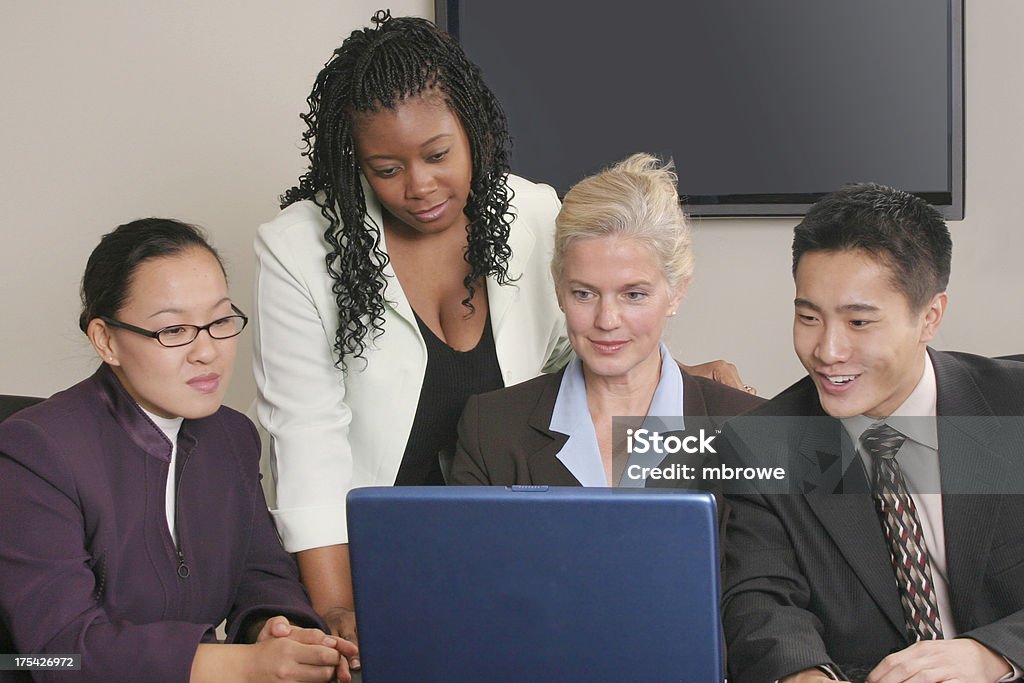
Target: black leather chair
{"x":9,"y":405}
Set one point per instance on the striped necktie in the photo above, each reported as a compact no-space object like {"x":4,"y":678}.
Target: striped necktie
{"x":902,"y":527}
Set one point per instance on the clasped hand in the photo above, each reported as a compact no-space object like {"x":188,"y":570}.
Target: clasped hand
{"x":293,"y":653}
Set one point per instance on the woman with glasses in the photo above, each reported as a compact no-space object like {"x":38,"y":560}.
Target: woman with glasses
{"x":133,"y":518}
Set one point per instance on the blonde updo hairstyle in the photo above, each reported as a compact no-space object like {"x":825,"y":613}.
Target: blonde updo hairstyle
{"x":636,"y":199}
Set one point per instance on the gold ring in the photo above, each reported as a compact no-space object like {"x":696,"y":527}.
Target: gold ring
{"x":749,"y":389}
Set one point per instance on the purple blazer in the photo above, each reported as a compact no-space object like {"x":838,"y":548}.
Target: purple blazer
{"x":87,"y":564}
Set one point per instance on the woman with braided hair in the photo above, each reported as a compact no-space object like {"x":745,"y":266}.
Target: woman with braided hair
{"x":407,"y":271}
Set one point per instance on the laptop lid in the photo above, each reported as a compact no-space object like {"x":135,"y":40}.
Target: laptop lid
{"x":535,"y":583}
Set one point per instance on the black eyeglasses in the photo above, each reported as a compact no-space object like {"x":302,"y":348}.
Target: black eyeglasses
{"x":181,"y":335}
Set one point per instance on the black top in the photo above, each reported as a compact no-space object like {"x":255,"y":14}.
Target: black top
{"x":450,"y":379}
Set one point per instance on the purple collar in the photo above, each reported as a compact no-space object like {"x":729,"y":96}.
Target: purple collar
{"x":142,"y":431}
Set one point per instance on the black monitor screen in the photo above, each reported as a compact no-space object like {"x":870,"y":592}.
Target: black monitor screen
{"x":763,"y":105}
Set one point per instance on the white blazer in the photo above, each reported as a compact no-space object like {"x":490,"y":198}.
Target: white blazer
{"x":333,"y":431}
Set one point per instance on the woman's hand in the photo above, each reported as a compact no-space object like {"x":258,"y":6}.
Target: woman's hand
{"x":279,"y":627}
{"x":282,"y":653}
{"x":721,"y":371}
{"x":342,"y":622}
{"x":327,"y":575}
{"x":302,"y":655}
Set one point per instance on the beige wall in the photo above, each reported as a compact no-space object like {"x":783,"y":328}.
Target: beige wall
{"x":117,"y":109}
{"x":740,"y":304}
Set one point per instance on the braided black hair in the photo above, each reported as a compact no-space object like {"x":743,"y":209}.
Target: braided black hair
{"x":377,"y":68}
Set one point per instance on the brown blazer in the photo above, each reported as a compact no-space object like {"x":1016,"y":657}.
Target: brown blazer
{"x":504,"y":438}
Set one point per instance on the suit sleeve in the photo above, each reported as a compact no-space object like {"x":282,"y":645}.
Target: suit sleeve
{"x":301,"y":393}
{"x":270,"y":583}
{"x":1002,"y":579}
{"x":47,"y":585}
{"x":769,"y":630}
{"x":468,"y":467}
{"x":1004,"y":637}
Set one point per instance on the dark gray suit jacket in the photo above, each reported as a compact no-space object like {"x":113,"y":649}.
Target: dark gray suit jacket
{"x":808,"y":577}
{"x":504,"y":437}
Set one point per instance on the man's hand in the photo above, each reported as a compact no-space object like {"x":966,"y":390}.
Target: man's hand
{"x":931,"y":661}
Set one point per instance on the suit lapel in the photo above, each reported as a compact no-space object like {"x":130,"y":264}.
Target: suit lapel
{"x":695,"y":418}
{"x":545,"y":466}
{"x":544,"y":444}
{"x":967,"y":522}
{"x":852,"y":523}
{"x":837,"y":492}
{"x":971,"y":475}
{"x":828,"y":462}
{"x":693,"y":398}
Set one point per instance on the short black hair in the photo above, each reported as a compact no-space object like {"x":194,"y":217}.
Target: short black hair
{"x":115,"y":260}
{"x":903,"y":231}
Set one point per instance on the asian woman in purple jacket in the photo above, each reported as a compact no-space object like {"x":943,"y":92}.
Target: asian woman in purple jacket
{"x":133,"y":521}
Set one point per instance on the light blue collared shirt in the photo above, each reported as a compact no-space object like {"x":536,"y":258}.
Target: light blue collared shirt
{"x":571,"y":416}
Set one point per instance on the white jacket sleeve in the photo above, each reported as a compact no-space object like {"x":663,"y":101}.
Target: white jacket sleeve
{"x":301,"y":392}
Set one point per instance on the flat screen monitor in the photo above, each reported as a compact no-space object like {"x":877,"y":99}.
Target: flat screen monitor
{"x":764,"y":106}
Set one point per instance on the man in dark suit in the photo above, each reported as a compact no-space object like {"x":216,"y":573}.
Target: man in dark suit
{"x":897,"y":550}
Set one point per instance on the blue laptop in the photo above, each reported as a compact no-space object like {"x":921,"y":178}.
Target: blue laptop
{"x":535,"y":584}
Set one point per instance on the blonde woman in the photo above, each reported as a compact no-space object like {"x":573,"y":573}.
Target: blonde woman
{"x":622,"y":262}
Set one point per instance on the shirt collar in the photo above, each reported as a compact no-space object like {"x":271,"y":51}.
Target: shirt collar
{"x":910,"y":418}
{"x":131,"y":417}
{"x":571,"y":416}
{"x":168,"y":425}
{"x":666,"y":411}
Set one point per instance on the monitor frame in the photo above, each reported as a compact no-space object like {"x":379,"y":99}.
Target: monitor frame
{"x":949,"y":203}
